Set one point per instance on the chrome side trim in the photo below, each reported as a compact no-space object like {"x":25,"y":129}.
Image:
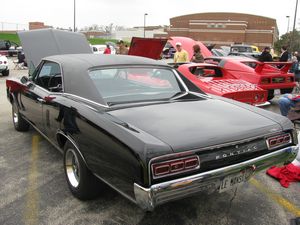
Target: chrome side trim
{"x":209,"y":181}
{"x":84,"y":99}
{"x":180,"y":80}
{"x":73,"y":142}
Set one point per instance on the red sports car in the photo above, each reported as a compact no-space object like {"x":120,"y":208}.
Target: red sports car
{"x":268,"y":76}
{"x":218,"y":81}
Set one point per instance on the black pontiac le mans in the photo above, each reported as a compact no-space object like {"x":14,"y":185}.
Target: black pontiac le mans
{"x":139,"y":125}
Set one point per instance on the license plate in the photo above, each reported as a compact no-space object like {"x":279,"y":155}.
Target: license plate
{"x":278,"y":80}
{"x":232,"y":181}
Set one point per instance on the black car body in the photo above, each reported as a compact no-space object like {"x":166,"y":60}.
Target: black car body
{"x":9,"y":48}
{"x":152,"y":146}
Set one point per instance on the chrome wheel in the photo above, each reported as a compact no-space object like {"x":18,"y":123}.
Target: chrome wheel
{"x":72,"y":167}
{"x":15,"y":116}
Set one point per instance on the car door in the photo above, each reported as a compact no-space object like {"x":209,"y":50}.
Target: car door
{"x":38,"y":92}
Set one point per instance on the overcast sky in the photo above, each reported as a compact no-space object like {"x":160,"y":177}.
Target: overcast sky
{"x":59,"y":13}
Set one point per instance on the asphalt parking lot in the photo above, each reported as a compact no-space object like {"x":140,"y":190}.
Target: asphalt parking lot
{"x":33,"y":191}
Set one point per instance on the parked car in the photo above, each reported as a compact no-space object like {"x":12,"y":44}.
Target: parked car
{"x":152,"y":143}
{"x":219,"y":52}
{"x":4,"y":69}
{"x":99,"y":49}
{"x":243,"y":50}
{"x":251,"y":55}
{"x":9,"y":48}
{"x":215,"y":80}
{"x":265,"y":75}
{"x":255,"y":49}
{"x":14,"y":49}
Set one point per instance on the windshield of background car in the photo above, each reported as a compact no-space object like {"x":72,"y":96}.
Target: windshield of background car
{"x":123,"y":85}
{"x":241,"y":49}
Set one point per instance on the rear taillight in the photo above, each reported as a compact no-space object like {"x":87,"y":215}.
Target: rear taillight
{"x":0,"y":62}
{"x":265,"y":81}
{"x":175,"y":166}
{"x":279,"y":140}
{"x":289,"y":79}
{"x":259,"y":97}
{"x":4,"y":62}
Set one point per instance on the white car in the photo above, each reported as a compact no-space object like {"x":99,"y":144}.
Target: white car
{"x":4,"y":69}
{"x":99,"y":49}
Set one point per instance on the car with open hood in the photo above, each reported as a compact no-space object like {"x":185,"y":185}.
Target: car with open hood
{"x":138,"y":125}
{"x":266,"y":75}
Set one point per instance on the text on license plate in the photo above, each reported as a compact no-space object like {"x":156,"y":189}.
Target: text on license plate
{"x":231,"y":181}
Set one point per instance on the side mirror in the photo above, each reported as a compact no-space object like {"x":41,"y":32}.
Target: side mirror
{"x":24,"y":79}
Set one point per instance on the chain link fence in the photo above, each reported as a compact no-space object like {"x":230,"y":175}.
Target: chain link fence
{"x":7,"y":26}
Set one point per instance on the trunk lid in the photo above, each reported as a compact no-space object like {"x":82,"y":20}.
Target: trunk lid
{"x":186,"y":125}
{"x":147,"y":47}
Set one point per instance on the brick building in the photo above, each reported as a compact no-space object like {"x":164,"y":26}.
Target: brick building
{"x":38,"y":25}
{"x":226,"y":28}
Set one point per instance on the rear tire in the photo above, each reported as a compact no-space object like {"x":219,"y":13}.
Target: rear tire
{"x":5,"y":72}
{"x":81,"y":182}
{"x":270,"y":94}
{"x":19,"y":122}
{"x":286,"y":90}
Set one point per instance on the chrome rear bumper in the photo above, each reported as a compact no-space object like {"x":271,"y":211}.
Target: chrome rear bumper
{"x":157,"y":194}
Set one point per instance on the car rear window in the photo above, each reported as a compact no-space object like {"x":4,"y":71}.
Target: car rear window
{"x":119,"y":85}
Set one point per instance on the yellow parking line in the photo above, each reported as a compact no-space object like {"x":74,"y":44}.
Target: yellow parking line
{"x":276,"y":197}
{"x":32,"y":206}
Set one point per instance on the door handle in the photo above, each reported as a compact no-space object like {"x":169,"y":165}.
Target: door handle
{"x":40,"y":100}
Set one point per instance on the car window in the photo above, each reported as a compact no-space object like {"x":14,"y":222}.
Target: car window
{"x":206,"y":71}
{"x":135,"y":84}
{"x":49,"y":77}
{"x":250,"y":64}
{"x":2,"y":45}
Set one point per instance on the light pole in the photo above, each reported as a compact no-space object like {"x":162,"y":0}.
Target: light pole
{"x":74,"y":16}
{"x":288,"y":26}
{"x":294,"y":26}
{"x":146,"y":14}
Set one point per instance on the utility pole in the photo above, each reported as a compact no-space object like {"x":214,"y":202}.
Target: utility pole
{"x":74,"y":16}
{"x":294,"y":27}
{"x":288,"y":26}
{"x":146,"y":14}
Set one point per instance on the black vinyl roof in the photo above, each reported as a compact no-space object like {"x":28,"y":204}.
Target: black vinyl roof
{"x":75,"y":68}
{"x":88,"y":61}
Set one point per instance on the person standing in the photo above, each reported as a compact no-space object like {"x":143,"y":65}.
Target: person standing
{"x":107,"y":50}
{"x":265,"y":55}
{"x":197,"y":57}
{"x":284,"y":54}
{"x":122,"y":50}
{"x":181,"y":55}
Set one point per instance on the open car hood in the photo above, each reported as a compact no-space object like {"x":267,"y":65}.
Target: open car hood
{"x":188,"y":43}
{"x":38,"y":44}
{"x":147,"y":47}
